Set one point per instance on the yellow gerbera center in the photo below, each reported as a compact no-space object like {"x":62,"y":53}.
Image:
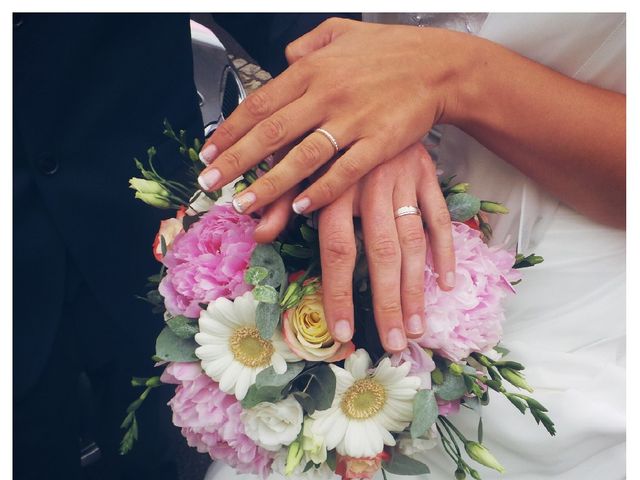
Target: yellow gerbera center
{"x":364,"y":399}
{"x":249,"y":348}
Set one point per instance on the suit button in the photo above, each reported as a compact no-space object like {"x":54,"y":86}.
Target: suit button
{"x":48,"y":165}
{"x":18,"y":20}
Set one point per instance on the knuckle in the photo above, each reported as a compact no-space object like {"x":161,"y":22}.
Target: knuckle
{"x":340,"y":295}
{"x":350,"y":168}
{"x":338,"y":248}
{"x":273,"y":129}
{"x":309,"y":154}
{"x":225,"y":130}
{"x":257,"y":104}
{"x":270,"y":185}
{"x":413,"y":239}
{"x":442,"y":218}
{"x":231,"y":158}
{"x":327,"y":190}
{"x":413,"y":290}
{"x":390,"y":307}
{"x":384,"y":250}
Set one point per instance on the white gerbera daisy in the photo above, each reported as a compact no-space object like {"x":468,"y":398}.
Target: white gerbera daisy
{"x":367,"y":407}
{"x":231,"y":351}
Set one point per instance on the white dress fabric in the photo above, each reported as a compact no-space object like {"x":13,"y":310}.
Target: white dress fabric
{"x":567,"y":322}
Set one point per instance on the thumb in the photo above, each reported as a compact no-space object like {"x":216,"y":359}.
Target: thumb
{"x":317,"y":38}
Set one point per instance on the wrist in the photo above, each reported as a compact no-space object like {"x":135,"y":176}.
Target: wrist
{"x":465,"y":90}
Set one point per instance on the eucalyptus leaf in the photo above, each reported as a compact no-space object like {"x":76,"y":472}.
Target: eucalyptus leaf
{"x":462,"y":206}
{"x":255,"y":275}
{"x":321,"y":385}
{"x":331,"y":460}
{"x":170,"y":347}
{"x":269,"y":385}
{"x":452,"y":387}
{"x":266,"y":256}
{"x":265,"y":294}
{"x":306,"y":402}
{"x":267,"y":319}
{"x":269,"y":378}
{"x":425,"y":413}
{"x":183,"y":327}
{"x":402,"y":465}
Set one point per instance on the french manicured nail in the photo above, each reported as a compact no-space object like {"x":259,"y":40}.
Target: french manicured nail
{"x":450,"y":279}
{"x":414,"y":325}
{"x":243,"y":201}
{"x":301,"y":205}
{"x":343,"y":330}
{"x":208,"y":154}
{"x":209,"y":179}
{"x":396,"y":340}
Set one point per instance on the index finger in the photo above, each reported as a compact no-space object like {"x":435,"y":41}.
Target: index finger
{"x":282,"y":90}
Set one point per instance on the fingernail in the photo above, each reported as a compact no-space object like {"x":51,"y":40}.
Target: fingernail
{"x":396,"y":340}
{"x":450,"y":279}
{"x":208,"y":153}
{"x":244,"y":201}
{"x":343,"y":330}
{"x":209,"y":179}
{"x":415,"y":324}
{"x":301,"y":205}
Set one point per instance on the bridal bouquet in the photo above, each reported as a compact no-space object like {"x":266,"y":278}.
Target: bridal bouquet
{"x":261,"y":384}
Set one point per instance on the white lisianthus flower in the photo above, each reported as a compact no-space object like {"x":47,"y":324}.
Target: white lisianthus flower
{"x":323,"y":472}
{"x":417,"y":448}
{"x":273,"y":425}
{"x":231,"y":351}
{"x":367,"y":406}
{"x":312,"y":444}
{"x":199,"y":203}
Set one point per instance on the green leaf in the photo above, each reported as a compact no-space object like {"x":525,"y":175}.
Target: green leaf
{"x":170,"y":347}
{"x":255,"y":275}
{"x":480,"y":430}
{"x":182,"y":326}
{"x":189,"y":220}
{"x":402,"y":465}
{"x":306,"y":402}
{"x":425,"y":412}
{"x":321,"y":385}
{"x":267,"y":257}
{"x":309,"y":234}
{"x":267,"y":319}
{"x":265,"y":294}
{"x":452,"y":387}
{"x":308,"y":466}
{"x":163,"y":246}
{"x":331,"y":460}
{"x":296,"y":251}
{"x":269,"y":385}
{"x":462,"y":206}
{"x":502,"y":350}
{"x":269,"y":378}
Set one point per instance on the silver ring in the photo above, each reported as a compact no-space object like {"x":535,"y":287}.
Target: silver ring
{"x":407,"y":210}
{"x":330,"y":137}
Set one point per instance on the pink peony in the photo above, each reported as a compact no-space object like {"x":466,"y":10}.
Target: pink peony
{"x":421,"y":364}
{"x":360,"y":468}
{"x":210,"y":420}
{"x":469,"y":317}
{"x":208,"y":261}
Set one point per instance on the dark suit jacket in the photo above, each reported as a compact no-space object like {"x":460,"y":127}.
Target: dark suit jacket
{"x":90,"y":93}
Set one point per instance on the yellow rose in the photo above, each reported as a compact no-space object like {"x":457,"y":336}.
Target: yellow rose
{"x":307,"y":333}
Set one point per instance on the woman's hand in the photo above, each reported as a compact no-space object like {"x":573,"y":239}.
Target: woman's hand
{"x":376,"y":88}
{"x":395,"y":248}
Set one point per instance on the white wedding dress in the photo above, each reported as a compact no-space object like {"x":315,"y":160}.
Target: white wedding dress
{"x":567,"y":322}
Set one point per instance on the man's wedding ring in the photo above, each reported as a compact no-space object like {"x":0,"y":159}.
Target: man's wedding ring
{"x":329,"y":137}
{"x":407,"y":210}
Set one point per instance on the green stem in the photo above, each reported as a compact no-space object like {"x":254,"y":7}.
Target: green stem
{"x":453,"y":427}
{"x":453,"y":441}
{"x":446,"y":444}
